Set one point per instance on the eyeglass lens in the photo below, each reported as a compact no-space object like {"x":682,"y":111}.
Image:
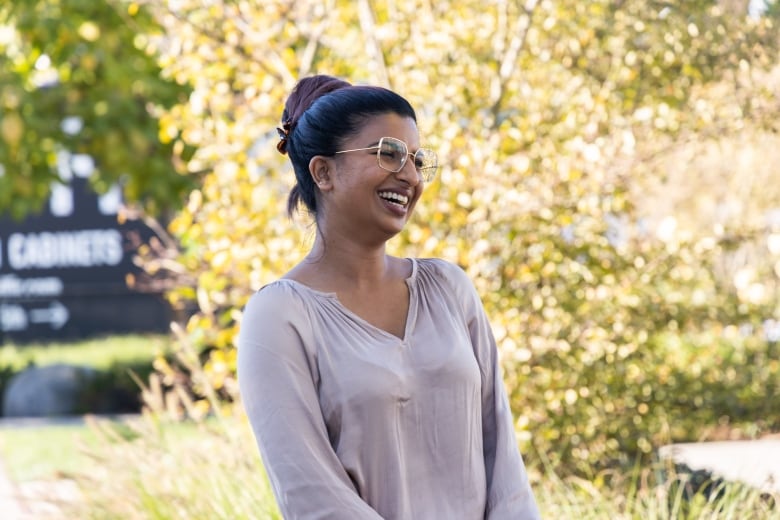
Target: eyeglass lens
{"x":393,"y":154}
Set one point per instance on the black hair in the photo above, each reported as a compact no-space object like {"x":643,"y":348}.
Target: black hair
{"x":320,"y":114}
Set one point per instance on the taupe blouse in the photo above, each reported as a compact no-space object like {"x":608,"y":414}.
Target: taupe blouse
{"x":353,"y":422}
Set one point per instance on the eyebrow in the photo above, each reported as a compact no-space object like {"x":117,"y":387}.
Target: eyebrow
{"x":408,"y":148}
{"x":372,"y":145}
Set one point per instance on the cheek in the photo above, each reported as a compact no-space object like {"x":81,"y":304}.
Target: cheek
{"x":415,"y":201}
{"x":420,"y":188}
{"x":348,"y":179}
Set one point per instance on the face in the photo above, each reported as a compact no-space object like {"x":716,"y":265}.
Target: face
{"x":364,"y":198}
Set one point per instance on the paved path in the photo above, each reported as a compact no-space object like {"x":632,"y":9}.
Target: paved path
{"x":756,"y":463}
{"x":9,"y":504}
{"x":33,"y":500}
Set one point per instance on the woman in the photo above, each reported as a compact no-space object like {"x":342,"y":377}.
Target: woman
{"x":372,"y":382}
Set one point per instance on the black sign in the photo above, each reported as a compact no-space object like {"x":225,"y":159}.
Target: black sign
{"x":63,"y":273}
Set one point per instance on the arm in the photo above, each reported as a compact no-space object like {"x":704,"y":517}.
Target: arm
{"x":509,"y":494}
{"x":277,"y":378}
{"x":509,"y":491}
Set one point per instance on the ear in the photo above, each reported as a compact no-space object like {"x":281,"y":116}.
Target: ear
{"x":320,"y":169}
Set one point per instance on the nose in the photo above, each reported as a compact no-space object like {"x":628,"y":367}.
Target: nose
{"x":409,"y":173}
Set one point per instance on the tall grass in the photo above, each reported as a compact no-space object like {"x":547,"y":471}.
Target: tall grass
{"x":208,"y":467}
{"x":153,"y":470}
{"x":149,"y":467}
{"x":32,"y":453}
{"x":654,"y":493}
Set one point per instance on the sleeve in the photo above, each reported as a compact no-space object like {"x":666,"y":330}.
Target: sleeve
{"x":277,"y":381}
{"x":509,"y":494}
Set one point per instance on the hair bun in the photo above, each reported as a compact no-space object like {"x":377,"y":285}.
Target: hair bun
{"x":305,"y":93}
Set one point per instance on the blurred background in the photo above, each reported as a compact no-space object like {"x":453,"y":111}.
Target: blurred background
{"x":609,"y":181}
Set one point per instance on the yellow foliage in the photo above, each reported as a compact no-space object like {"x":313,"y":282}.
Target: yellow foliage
{"x":542,"y":113}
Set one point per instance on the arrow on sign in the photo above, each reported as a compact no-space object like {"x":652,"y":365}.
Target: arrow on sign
{"x":56,"y":314}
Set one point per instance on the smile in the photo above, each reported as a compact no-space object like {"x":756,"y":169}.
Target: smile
{"x":395,"y":198}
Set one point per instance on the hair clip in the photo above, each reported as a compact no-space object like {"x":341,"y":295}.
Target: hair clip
{"x":284,"y":136}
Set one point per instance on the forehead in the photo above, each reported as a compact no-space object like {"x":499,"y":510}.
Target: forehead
{"x":388,"y":125}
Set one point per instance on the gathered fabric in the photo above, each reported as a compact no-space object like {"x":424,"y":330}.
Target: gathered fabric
{"x":354,"y":422}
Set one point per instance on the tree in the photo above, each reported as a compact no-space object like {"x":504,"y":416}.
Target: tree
{"x":772,"y":8}
{"x":546,"y":116}
{"x":75,"y":78}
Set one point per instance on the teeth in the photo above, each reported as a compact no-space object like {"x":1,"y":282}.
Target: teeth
{"x":394,"y":197}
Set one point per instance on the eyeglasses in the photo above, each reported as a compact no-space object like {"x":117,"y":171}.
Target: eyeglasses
{"x":392,"y":154}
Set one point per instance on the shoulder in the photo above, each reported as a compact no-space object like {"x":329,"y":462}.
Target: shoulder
{"x":275,"y":340}
{"x":280,"y":297}
{"x":452,"y":282}
{"x":278,"y":319}
{"x":282,"y":291}
{"x":443,"y":272}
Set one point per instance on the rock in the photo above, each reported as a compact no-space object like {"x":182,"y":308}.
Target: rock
{"x":47,"y":391}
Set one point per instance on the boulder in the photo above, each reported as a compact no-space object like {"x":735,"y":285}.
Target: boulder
{"x":47,"y":391}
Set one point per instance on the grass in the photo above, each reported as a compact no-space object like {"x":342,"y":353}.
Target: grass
{"x":50,"y":451}
{"x":651,"y":494}
{"x":161,"y":471}
{"x":99,"y":353}
{"x":148,"y":468}
{"x":151,"y":468}
{"x":43,"y":453}
{"x":35,"y":453}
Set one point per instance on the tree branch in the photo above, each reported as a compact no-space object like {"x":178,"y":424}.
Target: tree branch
{"x":367,"y":24}
{"x":509,"y":60}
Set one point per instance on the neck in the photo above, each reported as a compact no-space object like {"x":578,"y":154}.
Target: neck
{"x":348,"y":262}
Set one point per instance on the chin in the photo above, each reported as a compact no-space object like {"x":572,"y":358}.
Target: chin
{"x":392,"y":230}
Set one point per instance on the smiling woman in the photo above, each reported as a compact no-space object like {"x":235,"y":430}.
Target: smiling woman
{"x":372,"y":382}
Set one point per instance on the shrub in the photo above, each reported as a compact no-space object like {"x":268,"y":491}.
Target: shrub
{"x":547,"y":117}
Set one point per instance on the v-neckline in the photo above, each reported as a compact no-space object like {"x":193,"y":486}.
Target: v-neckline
{"x":411,"y":310}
